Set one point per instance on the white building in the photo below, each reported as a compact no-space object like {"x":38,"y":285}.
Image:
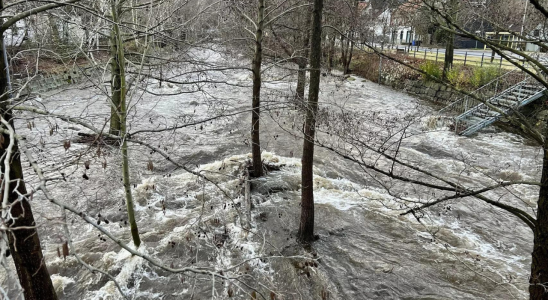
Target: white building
{"x":390,"y":24}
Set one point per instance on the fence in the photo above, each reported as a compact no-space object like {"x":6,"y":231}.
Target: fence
{"x":460,"y":57}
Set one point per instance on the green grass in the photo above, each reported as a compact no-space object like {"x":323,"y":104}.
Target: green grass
{"x":459,"y":60}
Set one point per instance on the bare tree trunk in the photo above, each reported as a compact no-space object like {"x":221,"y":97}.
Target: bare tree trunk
{"x":306,"y":228}
{"x":119,"y":60}
{"x":301,"y":77}
{"x":539,"y":265}
{"x":449,"y":47}
{"x":343,"y":50}
{"x":349,"y":56}
{"x":247,"y":198}
{"x":255,"y":116}
{"x":24,"y":244}
{"x":301,"y":82}
{"x":493,"y":51}
{"x":331,"y":52}
{"x":449,"y":50}
{"x":115,"y":84}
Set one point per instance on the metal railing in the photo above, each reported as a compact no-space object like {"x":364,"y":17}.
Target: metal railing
{"x":522,"y":93}
{"x":485,"y":92}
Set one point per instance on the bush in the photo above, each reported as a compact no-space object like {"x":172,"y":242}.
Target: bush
{"x":366,"y":66}
{"x":431,"y":68}
{"x":482,"y":76}
{"x":458,"y":77}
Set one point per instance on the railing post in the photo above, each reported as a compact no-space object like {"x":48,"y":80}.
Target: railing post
{"x":519,"y":94}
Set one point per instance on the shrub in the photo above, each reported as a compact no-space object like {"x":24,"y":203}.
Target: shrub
{"x":482,"y":76}
{"x":458,"y":77}
{"x":431,"y":68}
{"x":366,"y":66}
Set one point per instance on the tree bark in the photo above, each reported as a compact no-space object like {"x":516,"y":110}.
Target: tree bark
{"x":538,"y":289}
{"x":450,"y":47}
{"x":331,"y":52}
{"x":24,"y":244}
{"x":346,"y":53}
{"x":119,"y":60}
{"x":301,"y":77}
{"x":115,"y":84}
{"x":349,"y":55}
{"x":306,"y":227}
{"x":255,"y":115}
{"x":343,"y":50}
{"x":301,"y":82}
{"x":493,"y":51}
{"x":449,"y":53}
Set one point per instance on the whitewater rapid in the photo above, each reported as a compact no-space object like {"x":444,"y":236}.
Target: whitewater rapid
{"x":463,"y":249}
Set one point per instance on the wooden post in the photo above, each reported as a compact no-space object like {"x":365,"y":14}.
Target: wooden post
{"x":465,"y":57}
{"x":500,"y":64}
{"x":424,"y":54}
{"x":437,"y":52}
{"x":482,"y":56}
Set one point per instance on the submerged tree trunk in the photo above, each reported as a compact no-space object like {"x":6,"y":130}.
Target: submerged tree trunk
{"x":24,"y":244}
{"x":119,"y":60}
{"x":306,"y":227}
{"x":255,"y":116}
{"x":301,"y":77}
{"x":538,"y":280}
